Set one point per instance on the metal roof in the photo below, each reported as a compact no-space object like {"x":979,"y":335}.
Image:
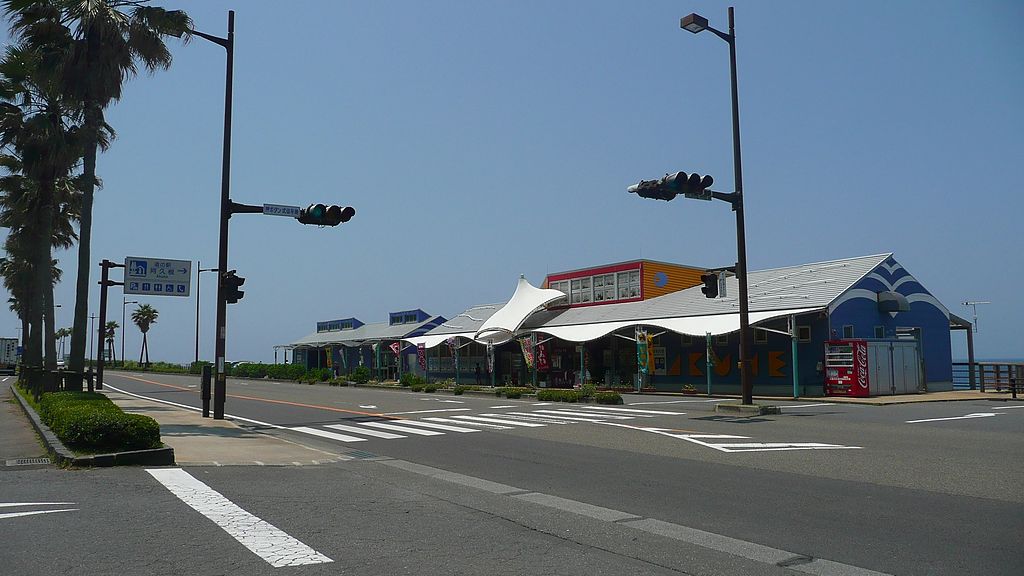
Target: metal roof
{"x":365,"y":333}
{"x":804,"y":286}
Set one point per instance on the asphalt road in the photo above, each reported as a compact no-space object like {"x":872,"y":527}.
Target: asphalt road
{"x":578,"y":488}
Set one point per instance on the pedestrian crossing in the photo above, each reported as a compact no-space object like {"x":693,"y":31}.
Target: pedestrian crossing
{"x":542,"y":415}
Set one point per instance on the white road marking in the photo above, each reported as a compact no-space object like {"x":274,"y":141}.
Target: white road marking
{"x":442,"y":401}
{"x":559,"y":416}
{"x":34,"y":512}
{"x":259,"y":536}
{"x":326,"y":434}
{"x":354,"y":429}
{"x":437,"y":426}
{"x":429,"y":411}
{"x":737,"y":447}
{"x":497,"y":421}
{"x":367,"y":406}
{"x":509,"y":406}
{"x":591,"y":414}
{"x":815,"y":405}
{"x":630,"y":410}
{"x":1008,"y":407}
{"x":968,"y":416}
{"x":530,"y":417}
{"x":678,"y":402}
{"x":481,"y":424}
{"x":397,"y":428}
{"x":13,"y":504}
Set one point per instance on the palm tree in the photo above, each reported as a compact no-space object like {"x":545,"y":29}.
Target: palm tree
{"x":110,"y":39}
{"x":61,"y":335}
{"x":144,"y":316}
{"x":38,"y":132}
{"x":109,"y":331}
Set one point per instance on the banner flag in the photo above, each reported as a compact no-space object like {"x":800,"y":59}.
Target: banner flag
{"x":395,"y":347}
{"x":421,"y":356}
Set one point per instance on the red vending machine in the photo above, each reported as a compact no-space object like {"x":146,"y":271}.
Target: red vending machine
{"x":846,"y":368}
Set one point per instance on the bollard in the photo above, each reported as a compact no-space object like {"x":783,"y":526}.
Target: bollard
{"x":205,"y":390}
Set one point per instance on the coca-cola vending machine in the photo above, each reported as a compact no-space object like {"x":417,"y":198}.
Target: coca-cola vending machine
{"x":846,"y":368}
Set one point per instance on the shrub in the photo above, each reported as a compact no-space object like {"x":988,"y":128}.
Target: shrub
{"x":90,"y":422}
{"x":587,"y":390}
{"x":458,"y":390}
{"x":431,"y":387}
{"x":608,"y":398}
{"x":417,"y":387}
{"x":409,"y":379}
{"x":558,"y":395}
{"x":512,"y":391}
{"x":361,"y":375}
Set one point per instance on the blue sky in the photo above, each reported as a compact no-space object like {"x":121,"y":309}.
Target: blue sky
{"x":479,"y":140}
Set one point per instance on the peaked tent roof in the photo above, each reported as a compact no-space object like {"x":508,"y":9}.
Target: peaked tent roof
{"x":503,"y":324}
{"x":464,"y":324}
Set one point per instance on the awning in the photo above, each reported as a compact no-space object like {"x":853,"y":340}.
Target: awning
{"x":431,"y":340}
{"x":503,"y":324}
{"x":714,"y":324}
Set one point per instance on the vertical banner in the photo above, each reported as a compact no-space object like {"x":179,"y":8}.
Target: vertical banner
{"x":421,"y":356}
{"x":330,"y":357}
{"x":527,"y":346}
{"x":490,"y":359}
{"x":395,"y":348}
{"x":542,"y":358}
{"x":641,"y":350}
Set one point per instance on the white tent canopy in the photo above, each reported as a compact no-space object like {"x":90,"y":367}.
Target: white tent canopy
{"x":431,"y":340}
{"x":714,"y":324}
{"x":503,"y":324}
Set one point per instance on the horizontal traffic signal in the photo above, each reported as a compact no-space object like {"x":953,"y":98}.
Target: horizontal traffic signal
{"x":671,"y":185}
{"x":324,"y":215}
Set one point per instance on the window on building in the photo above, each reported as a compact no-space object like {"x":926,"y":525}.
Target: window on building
{"x":760,"y":337}
{"x":848,"y":331}
{"x":562,"y":286}
{"x":629,"y":284}
{"x":604,"y":287}
{"x":581,"y":290}
{"x":722,"y":339}
{"x":803,"y":333}
{"x":410,"y":318}
{"x":879,"y":331}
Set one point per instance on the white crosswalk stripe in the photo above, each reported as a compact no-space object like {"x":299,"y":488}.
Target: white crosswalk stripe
{"x":529,"y":417}
{"x":394,"y":426}
{"x":437,"y":426}
{"x":355,"y":430}
{"x":467,"y":423}
{"x":499,"y":421}
{"x":561,"y":419}
{"x":587,"y":414}
{"x":632,"y":410}
{"x":326,"y":434}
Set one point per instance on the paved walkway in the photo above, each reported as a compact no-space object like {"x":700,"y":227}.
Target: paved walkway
{"x":17,"y":438}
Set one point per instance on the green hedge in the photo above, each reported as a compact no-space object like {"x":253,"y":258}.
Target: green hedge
{"x":90,"y":422}
{"x":512,"y":391}
{"x":558,"y":395}
{"x":607,"y":398}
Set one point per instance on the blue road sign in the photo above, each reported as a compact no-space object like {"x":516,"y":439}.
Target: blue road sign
{"x":157,"y":276}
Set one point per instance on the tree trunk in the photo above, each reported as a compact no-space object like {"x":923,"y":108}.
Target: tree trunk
{"x":49,"y":338}
{"x":94,"y":117}
{"x":143,"y":349}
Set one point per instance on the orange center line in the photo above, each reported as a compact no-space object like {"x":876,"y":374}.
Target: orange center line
{"x":269,"y":400}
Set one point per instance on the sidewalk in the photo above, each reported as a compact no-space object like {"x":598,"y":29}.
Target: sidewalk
{"x":18,"y":441}
{"x":199,"y":441}
{"x":951,"y":396}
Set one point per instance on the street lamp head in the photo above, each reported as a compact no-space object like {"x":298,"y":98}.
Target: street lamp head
{"x":694,"y":23}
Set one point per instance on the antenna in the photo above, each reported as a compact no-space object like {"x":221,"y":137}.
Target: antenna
{"x":974,"y":305}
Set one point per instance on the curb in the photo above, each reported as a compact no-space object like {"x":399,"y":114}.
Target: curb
{"x":65,"y":457}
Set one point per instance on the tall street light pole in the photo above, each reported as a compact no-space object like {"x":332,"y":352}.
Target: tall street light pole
{"x":695,"y":23}
{"x":200,"y":270}
{"x":123,"y":304}
{"x":219,"y":388}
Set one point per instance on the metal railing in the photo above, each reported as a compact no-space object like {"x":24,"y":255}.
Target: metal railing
{"x":989,"y":376}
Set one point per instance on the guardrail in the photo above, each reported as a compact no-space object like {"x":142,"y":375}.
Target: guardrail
{"x":989,"y":376}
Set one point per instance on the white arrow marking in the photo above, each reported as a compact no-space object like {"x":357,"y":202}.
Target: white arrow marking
{"x":975,"y":415}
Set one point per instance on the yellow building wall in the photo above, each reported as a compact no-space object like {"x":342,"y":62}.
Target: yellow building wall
{"x":678,"y":278}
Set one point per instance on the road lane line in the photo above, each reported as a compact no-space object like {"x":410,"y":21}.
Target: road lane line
{"x":967,"y":417}
{"x":815,"y":405}
{"x":33,"y":513}
{"x":1008,"y":407}
{"x":631,"y":410}
{"x":678,"y":402}
{"x":259,"y":536}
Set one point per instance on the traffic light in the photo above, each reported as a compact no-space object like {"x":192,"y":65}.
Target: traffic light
{"x":667,"y":188}
{"x":322,"y":215}
{"x":232,"y":283}
{"x":651,"y":189}
{"x":710,"y":281}
{"x":689,"y":185}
